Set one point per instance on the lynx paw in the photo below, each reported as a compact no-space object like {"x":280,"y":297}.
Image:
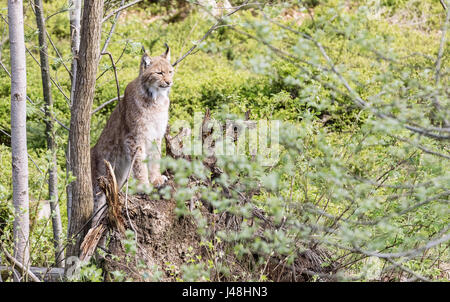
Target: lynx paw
{"x":159,"y":180}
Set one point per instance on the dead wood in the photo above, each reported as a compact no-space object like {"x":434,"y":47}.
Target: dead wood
{"x":111,"y":218}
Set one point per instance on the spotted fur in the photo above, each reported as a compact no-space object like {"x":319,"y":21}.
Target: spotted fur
{"x":136,"y":128}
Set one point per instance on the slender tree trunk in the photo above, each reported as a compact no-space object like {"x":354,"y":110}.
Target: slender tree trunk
{"x":19,"y":133}
{"x":53,"y":170}
{"x":75,"y":26}
{"x":79,"y":135}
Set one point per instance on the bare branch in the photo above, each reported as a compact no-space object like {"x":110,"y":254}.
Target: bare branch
{"x":111,"y":31}
{"x":51,"y":41}
{"x":120,"y":9}
{"x":32,"y":103}
{"x":422,"y":148}
{"x":105,"y":104}
{"x":210,"y":30}
{"x":115,"y":74}
{"x":19,"y":265}
{"x":403,"y":268}
{"x":53,"y":81}
{"x":409,"y":253}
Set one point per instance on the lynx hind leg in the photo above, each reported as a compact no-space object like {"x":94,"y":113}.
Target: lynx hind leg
{"x":153,"y":165}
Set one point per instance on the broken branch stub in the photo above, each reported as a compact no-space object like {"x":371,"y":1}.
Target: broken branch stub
{"x":109,"y":186}
{"x":110,"y":219}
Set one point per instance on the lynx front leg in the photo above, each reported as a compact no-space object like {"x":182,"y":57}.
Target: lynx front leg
{"x":153,"y":164}
{"x":140,"y":171}
{"x":137,"y":153}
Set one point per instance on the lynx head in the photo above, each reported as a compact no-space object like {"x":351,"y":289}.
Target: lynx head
{"x":156,"y":74}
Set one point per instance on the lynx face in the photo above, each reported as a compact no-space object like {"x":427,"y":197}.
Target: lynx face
{"x":156,"y":74}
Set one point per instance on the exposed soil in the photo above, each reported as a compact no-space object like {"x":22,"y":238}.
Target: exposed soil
{"x":167,"y":242}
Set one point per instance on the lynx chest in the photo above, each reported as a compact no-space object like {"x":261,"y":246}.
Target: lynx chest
{"x":154,"y":122}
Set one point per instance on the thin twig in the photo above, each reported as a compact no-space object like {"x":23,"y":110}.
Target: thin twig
{"x":32,"y":103}
{"x":56,"y":13}
{"x":105,"y":104}
{"x":115,"y":73}
{"x":58,"y":54}
{"x":9,"y":135}
{"x":111,"y":31}
{"x":53,"y":81}
{"x":51,"y":41}
{"x":403,"y":268}
{"x":120,"y":9}
{"x":120,"y":57}
{"x":210,"y":30}
{"x":19,"y":265}
{"x":81,"y":229}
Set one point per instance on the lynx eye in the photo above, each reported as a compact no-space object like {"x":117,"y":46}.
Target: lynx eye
{"x":160,"y":72}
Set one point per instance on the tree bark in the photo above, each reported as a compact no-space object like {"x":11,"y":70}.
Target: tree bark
{"x":51,"y":145}
{"x":18,"y":132}
{"x":79,"y":135}
{"x":75,"y":24}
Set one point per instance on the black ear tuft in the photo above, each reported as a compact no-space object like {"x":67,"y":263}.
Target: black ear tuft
{"x":167,"y":53}
{"x":143,"y":49}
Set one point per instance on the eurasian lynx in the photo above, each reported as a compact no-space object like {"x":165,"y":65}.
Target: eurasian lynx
{"x":136,"y":128}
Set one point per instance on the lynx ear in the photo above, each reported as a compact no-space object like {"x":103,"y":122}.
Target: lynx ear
{"x":166,"y":55}
{"x":146,"y":61}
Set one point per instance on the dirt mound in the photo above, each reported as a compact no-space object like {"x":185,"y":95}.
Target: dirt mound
{"x":165,"y":242}
{"x":163,"y":239}
{"x":162,"y":243}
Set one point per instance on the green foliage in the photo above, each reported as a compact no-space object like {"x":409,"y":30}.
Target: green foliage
{"x":350,"y":176}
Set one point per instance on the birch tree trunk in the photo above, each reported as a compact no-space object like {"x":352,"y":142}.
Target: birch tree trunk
{"x":75,"y":26}
{"x":51,"y":146}
{"x":79,"y":135}
{"x":18,"y":132}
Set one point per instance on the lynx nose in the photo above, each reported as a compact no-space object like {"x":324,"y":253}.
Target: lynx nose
{"x":168,"y":83}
